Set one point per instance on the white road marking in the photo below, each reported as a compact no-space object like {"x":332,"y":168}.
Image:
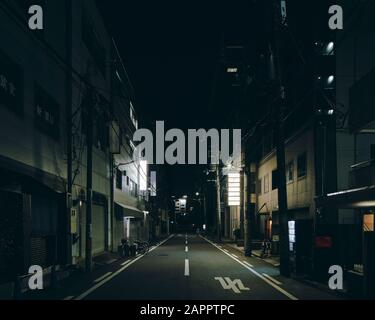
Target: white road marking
{"x":186,"y":249}
{"x":99,"y":284}
{"x":124,"y":263}
{"x":249,"y":264}
{"x":236,"y":285}
{"x":186,"y":273}
{"x":102,"y":277}
{"x":272,"y":279}
{"x":225,"y":250}
{"x":234,"y":255}
{"x":68,"y":298}
{"x":281,"y":290}
{"x":186,"y":242}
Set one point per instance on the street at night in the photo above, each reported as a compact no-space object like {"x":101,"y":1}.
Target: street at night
{"x":186,"y":158}
{"x":187,"y":267}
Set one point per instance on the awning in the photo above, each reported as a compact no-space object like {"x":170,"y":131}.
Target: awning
{"x":129,"y":211}
{"x":347,"y":199}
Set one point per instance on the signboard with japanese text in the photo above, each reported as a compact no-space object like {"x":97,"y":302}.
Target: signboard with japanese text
{"x":46,"y":113}
{"x":11,"y":85}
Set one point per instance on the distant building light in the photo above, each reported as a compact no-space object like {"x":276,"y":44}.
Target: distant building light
{"x":331,"y":112}
{"x":232,"y":70}
{"x":330,"y":79}
{"x":330,"y":47}
{"x":197,"y":194}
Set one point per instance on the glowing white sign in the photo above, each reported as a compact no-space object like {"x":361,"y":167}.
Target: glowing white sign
{"x":234,"y":188}
{"x":143,"y":175}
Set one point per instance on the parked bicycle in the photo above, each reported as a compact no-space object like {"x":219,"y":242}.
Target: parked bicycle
{"x":142,"y":246}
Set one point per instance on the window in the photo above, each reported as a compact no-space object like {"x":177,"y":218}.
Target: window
{"x":289,"y":170}
{"x":275,"y":179}
{"x":302,"y":165}
{"x":127,"y":181}
{"x":266,"y":183}
{"x":259,"y":186}
{"x":92,"y":41}
{"x":118,"y":179}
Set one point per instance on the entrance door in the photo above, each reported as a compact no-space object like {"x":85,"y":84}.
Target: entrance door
{"x":98,"y":226}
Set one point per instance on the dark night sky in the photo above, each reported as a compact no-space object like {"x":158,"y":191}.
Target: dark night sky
{"x":170,"y":50}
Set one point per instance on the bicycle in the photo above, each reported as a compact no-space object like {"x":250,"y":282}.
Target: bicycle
{"x":142,"y":246}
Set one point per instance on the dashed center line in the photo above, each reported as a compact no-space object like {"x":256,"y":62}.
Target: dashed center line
{"x":186,"y":249}
{"x":234,"y":255}
{"x":225,"y":250}
{"x":187,"y":272}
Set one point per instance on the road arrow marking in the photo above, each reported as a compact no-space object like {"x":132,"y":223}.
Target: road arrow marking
{"x":236,"y":285}
{"x":274,"y":285}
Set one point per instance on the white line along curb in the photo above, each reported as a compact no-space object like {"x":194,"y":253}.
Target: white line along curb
{"x":98,"y":285}
{"x":281,"y":290}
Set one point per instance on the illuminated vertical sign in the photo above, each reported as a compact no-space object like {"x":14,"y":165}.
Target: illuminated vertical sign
{"x":234,"y":189}
{"x":153,"y":183}
{"x":143,"y":175}
{"x":292,"y":234}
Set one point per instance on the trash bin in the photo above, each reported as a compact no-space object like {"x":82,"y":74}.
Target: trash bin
{"x":125,"y":248}
{"x":133,"y":250}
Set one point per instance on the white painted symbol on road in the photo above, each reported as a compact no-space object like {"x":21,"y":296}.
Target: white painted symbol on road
{"x":235,"y":285}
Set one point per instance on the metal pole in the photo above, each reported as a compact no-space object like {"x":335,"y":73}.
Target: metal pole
{"x":89,"y":139}
{"x":218,"y":192}
{"x":280,"y":152}
{"x":69,"y":120}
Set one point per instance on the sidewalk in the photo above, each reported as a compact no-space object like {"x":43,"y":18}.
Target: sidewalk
{"x":273,"y":260}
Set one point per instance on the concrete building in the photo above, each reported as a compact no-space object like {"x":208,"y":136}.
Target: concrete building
{"x":33,"y":144}
{"x":50,"y":79}
{"x":354,"y":197}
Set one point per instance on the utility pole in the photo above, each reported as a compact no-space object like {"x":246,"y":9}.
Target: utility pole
{"x":249,"y":209}
{"x":218,"y":192}
{"x":89,"y":106}
{"x":69,"y":120}
{"x":280,"y":149}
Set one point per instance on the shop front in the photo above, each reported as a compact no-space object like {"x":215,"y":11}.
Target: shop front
{"x":355,"y":237}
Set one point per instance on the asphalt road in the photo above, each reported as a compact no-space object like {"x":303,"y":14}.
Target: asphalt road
{"x":185,"y":267}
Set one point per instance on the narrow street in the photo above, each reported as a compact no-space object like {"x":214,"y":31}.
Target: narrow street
{"x":185,"y":267}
